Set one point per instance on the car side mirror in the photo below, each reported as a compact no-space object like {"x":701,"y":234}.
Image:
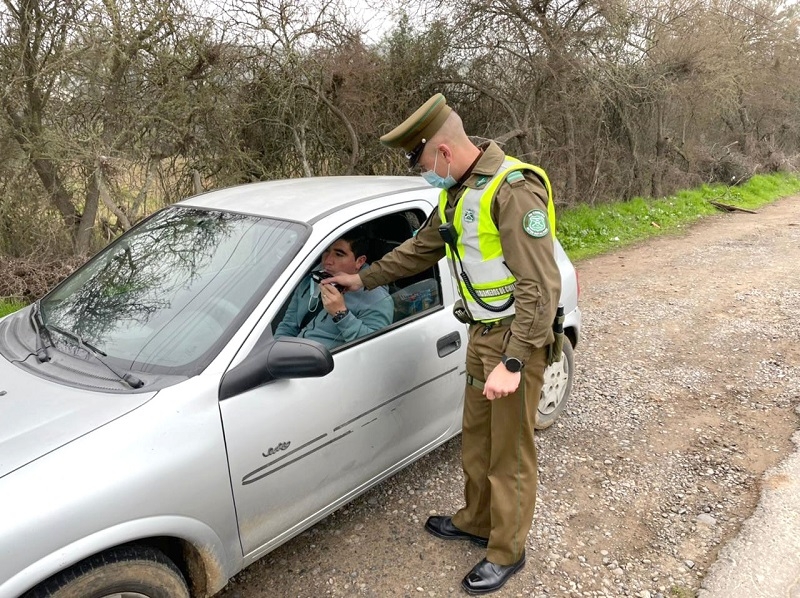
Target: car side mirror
{"x":284,"y":357}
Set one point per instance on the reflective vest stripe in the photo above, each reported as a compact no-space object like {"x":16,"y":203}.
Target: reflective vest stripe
{"x":468,"y":240}
{"x":495,"y":292}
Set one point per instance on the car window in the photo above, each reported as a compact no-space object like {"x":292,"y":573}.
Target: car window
{"x":415,"y":298}
{"x":371,"y":311}
{"x":165,"y":296}
{"x":414,"y":294}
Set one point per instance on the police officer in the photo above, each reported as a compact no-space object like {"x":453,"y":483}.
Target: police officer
{"x":498,"y":221}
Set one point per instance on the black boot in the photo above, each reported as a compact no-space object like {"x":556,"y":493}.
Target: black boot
{"x":486,"y":577}
{"x":442,"y":527}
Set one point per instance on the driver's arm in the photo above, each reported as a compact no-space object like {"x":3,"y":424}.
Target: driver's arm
{"x":290,"y":324}
{"x":375,"y":312}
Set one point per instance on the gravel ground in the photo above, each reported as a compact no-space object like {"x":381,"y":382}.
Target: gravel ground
{"x":686,"y":379}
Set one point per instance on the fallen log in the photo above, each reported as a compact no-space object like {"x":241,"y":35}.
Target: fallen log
{"x":729,"y":208}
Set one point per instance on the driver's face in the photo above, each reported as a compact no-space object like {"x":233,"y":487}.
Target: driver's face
{"x":339,"y":259}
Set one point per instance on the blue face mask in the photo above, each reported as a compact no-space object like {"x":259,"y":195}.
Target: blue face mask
{"x":434,"y":180}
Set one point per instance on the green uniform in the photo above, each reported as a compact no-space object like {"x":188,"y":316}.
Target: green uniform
{"x":498,"y":452}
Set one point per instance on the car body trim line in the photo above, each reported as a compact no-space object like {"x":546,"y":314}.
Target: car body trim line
{"x":299,"y":448}
{"x":410,"y":390}
{"x":245,"y":481}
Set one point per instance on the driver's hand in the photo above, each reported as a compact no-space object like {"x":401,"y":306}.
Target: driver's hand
{"x":332,"y":299}
{"x":351,"y":282}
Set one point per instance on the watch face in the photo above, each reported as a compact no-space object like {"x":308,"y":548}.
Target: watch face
{"x":512,"y":364}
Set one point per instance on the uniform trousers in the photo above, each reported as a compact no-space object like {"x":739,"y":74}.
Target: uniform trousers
{"x":498,"y":453}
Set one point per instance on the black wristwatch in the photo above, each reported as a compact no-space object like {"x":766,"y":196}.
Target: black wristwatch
{"x":512,"y":364}
{"x":339,"y":315}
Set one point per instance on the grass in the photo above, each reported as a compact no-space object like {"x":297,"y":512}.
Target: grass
{"x":585,"y":231}
{"x":8,"y":306}
{"x":681,"y":592}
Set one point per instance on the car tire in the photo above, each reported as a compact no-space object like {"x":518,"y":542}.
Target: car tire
{"x":123,"y":572}
{"x":557,"y":388}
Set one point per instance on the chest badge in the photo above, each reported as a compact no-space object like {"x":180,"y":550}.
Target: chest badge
{"x":469,"y":215}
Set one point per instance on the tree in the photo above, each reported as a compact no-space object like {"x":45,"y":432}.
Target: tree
{"x":99,"y":90}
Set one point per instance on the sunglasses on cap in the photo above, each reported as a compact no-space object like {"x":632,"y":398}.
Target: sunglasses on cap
{"x":414,"y":155}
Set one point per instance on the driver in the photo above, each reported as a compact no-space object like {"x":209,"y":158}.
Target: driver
{"x":320,"y":312}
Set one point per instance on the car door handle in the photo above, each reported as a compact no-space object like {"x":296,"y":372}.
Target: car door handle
{"x":448,"y":343}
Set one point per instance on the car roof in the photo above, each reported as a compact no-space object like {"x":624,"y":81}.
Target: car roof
{"x":304,"y":199}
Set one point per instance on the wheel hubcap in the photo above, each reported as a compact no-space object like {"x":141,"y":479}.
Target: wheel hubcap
{"x":555,"y":386}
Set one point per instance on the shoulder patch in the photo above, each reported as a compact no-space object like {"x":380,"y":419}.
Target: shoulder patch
{"x":515,"y":177}
{"x":535,"y":223}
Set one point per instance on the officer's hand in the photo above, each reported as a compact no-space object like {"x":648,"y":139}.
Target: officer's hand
{"x":500,"y":383}
{"x":332,"y":299}
{"x":351,"y":282}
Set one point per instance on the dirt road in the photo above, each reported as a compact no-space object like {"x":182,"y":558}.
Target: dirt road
{"x":687,"y":375}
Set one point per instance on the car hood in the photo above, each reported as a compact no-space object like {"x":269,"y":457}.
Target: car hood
{"x":37,"y":416}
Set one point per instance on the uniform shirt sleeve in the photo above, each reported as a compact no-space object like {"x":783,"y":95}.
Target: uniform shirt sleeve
{"x":531,"y":261}
{"x":416,"y":254}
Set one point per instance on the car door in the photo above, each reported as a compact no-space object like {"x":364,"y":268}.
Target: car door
{"x":298,"y":448}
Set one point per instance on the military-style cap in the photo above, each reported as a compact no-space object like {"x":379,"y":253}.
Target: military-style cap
{"x":415,"y":131}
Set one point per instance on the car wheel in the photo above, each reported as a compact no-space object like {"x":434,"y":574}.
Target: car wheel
{"x":124,"y":572}
{"x":556,"y":389}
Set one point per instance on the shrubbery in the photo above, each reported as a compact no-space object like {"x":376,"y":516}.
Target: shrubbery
{"x":27,"y":279}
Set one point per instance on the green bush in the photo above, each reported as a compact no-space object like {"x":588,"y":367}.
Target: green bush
{"x":9,"y":306}
{"x":590,"y":230}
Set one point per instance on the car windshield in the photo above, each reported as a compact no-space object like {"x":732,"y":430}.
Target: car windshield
{"x":166,"y":296}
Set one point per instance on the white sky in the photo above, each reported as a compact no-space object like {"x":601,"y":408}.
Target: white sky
{"x":377,"y":21}
{"x":373,"y":16}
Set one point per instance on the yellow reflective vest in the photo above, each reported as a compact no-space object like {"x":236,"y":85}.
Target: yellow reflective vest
{"x":479,"y":248}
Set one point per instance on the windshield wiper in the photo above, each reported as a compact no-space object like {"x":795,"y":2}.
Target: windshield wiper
{"x":39,"y":326}
{"x":128,"y":378}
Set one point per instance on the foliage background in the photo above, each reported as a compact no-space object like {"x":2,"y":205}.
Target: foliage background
{"x":110,"y":109}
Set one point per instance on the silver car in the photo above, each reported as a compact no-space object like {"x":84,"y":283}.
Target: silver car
{"x":155,"y":436}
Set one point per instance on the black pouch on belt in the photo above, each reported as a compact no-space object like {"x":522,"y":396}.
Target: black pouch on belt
{"x":461,"y":313}
{"x":554,"y":350}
